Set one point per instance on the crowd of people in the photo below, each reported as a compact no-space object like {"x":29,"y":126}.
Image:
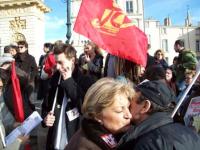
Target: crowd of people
{"x":87,"y":104}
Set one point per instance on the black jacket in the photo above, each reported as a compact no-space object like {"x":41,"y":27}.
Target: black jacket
{"x":75,"y":89}
{"x":159,"y":132}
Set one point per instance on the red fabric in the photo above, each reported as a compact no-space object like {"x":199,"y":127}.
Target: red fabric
{"x":27,"y":147}
{"x":17,"y":97}
{"x":105,"y":24}
{"x":49,"y":64}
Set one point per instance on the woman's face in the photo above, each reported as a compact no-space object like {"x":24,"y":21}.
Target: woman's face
{"x":168,"y":74}
{"x":159,"y":55}
{"x":88,"y":50}
{"x":116,"y":118}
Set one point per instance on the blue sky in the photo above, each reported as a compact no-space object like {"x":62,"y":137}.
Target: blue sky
{"x":158,"y":9}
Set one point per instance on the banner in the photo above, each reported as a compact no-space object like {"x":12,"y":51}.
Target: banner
{"x":105,"y":24}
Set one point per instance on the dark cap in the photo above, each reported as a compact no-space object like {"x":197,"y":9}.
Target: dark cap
{"x":157,"y":91}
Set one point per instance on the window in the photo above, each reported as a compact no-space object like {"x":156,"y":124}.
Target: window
{"x":165,"y":45}
{"x":198,"y":31}
{"x":164,"y":30}
{"x":198,"y":45}
{"x":129,"y":6}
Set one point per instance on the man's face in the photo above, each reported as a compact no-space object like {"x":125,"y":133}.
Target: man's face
{"x":63,"y":65}
{"x":135,"y":109}
{"x":22,"y":48}
{"x":177,"y":48}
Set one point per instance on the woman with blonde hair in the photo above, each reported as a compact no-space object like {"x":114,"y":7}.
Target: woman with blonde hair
{"x":160,"y":58}
{"x":105,"y":115}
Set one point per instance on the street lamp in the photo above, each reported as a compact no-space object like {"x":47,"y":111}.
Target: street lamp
{"x":68,"y":24}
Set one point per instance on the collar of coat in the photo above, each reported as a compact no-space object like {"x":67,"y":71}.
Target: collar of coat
{"x":154,"y":121}
{"x":98,"y":134}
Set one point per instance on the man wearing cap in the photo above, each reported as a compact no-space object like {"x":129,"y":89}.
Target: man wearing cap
{"x":154,"y":128}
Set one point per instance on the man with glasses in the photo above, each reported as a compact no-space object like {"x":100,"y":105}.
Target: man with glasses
{"x":27,"y":63}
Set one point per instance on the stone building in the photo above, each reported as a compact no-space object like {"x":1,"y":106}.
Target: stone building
{"x":23,"y":20}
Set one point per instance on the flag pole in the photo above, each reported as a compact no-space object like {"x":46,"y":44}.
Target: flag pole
{"x":55,"y":97}
{"x":2,"y":137}
{"x":186,"y":91}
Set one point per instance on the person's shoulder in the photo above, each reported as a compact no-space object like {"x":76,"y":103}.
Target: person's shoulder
{"x":79,"y":141}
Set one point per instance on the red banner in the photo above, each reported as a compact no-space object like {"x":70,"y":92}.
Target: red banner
{"x":16,"y":94}
{"x":104,"y":23}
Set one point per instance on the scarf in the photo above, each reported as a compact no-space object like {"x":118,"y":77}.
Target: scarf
{"x":98,"y":134}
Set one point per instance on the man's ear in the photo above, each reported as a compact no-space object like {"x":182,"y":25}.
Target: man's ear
{"x":146,"y":106}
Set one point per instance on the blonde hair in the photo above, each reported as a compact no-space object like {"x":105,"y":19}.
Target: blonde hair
{"x":102,"y":94}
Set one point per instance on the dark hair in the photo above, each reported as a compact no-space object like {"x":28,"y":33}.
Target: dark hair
{"x":179,"y":42}
{"x":23,"y":43}
{"x":154,"y":107}
{"x":127,"y":68}
{"x":49,"y":46}
{"x":7,"y":49}
{"x":67,"y":49}
{"x":155,"y":72}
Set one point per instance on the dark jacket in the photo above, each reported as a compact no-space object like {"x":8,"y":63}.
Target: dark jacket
{"x":80,"y":141}
{"x":27,"y":63}
{"x":92,"y":136}
{"x":23,"y":80}
{"x":75,"y":89}
{"x":159,"y":132}
{"x":94,"y":67}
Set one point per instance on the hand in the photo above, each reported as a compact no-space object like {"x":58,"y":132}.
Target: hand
{"x":24,"y":139}
{"x":16,"y":124}
{"x":49,"y":119}
{"x":87,"y":58}
{"x":67,"y":73}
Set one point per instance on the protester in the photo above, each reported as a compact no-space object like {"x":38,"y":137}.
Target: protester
{"x":105,"y":115}
{"x":130,"y":70}
{"x":154,"y":128}
{"x":26,"y":63}
{"x":7,"y":123}
{"x":186,"y":61}
{"x":109,"y":68}
{"x":170,"y":79}
{"x":43,"y":84}
{"x":71,"y":91}
{"x":160,"y":58}
{"x":91,"y":61}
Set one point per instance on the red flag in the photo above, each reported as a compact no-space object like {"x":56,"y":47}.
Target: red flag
{"x":16,"y":94}
{"x":103,"y":22}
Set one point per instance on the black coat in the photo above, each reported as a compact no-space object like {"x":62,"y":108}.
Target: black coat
{"x":158,"y":132}
{"x":75,"y":89}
